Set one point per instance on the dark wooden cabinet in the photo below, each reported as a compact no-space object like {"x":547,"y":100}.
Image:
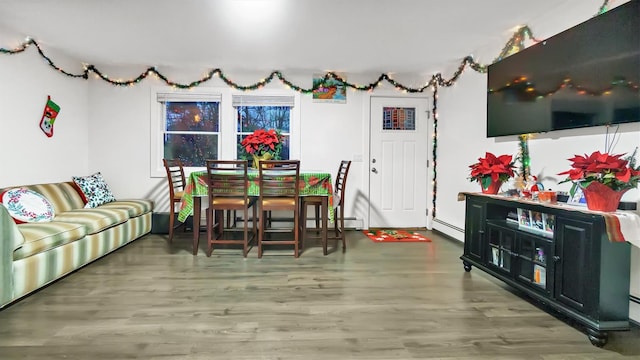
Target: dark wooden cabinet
{"x":570,"y":267}
{"x":474,"y":230}
{"x":572,"y":242}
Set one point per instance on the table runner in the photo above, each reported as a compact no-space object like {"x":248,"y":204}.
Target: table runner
{"x":621,"y":225}
{"x":311,"y":184}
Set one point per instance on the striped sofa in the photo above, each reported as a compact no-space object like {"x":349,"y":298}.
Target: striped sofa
{"x":35,"y":254}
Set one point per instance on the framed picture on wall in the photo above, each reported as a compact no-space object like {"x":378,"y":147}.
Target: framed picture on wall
{"x":331,"y":91}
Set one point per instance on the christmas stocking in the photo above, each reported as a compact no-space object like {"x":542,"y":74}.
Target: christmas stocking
{"x":51,"y":110}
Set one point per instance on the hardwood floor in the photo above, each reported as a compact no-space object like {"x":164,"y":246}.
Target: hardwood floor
{"x":153,"y":300}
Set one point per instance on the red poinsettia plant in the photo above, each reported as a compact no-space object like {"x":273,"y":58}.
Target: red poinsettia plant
{"x":263,"y":141}
{"x":613,"y":171}
{"x":492,"y":168}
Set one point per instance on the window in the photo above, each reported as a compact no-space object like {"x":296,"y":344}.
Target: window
{"x":208,"y":123}
{"x":264,"y":112}
{"x":191,"y":131}
{"x":398,"y":118}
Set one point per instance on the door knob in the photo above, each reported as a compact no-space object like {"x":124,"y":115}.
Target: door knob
{"x":374,"y":170}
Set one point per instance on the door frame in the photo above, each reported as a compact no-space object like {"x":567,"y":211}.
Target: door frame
{"x":366,"y":119}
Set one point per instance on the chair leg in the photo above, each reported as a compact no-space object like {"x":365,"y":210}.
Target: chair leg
{"x":171,"y":221}
{"x":342,"y":235}
{"x":218,"y":219}
{"x":296,"y":233}
{"x":303,"y":216}
{"x":325,"y":226}
{"x":210,"y":228}
{"x":260,"y":232}
{"x":317,"y":208}
{"x":254,"y":227}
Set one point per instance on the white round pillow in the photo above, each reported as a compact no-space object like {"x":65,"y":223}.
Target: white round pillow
{"x":27,"y":206}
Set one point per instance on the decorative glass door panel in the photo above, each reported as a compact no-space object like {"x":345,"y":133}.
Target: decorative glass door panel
{"x":533,"y":255}
{"x":501,"y":245}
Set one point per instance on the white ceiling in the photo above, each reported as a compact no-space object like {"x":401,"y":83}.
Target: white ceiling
{"x":351,"y":36}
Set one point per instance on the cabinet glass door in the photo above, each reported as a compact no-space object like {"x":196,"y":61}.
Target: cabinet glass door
{"x":533,"y":256}
{"x":501,"y":245}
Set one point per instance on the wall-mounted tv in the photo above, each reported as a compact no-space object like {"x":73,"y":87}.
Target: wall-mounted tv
{"x":585,"y":76}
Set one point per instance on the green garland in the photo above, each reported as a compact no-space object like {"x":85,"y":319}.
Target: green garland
{"x":435,"y":151}
{"x":513,"y":45}
{"x":523,"y":157}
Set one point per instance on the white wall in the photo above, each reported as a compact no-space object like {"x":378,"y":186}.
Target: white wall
{"x":462,"y":129}
{"x":119,"y":134}
{"x":27,"y":155}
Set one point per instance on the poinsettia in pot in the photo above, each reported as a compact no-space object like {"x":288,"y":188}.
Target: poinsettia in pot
{"x":603,"y":178}
{"x":491,"y":171}
{"x":263,"y":145}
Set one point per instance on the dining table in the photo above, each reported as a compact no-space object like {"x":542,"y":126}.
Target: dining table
{"x":311,"y":183}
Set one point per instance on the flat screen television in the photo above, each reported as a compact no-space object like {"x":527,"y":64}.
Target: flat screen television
{"x":585,"y":76}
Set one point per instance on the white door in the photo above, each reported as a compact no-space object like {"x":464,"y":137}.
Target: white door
{"x":398,"y":162}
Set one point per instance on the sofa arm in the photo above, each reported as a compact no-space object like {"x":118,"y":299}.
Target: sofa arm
{"x":10,"y":239}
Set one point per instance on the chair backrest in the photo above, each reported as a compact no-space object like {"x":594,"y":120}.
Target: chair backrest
{"x":227,"y":178}
{"x":175,"y":175}
{"x":279,"y":178}
{"x":341,"y":180}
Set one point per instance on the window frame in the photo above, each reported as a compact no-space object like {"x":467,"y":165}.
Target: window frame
{"x":239,"y":100}
{"x":228,"y":132}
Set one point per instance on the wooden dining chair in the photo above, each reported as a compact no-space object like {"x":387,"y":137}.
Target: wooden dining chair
{"x":228,"y":186}
{"x":176,"y":181}
{"x":338,"y":205}
{"x":279,"y":191}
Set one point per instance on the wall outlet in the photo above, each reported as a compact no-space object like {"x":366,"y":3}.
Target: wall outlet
{"x":357,"y":157}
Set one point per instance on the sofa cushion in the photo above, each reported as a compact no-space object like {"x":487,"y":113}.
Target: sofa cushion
{"x":39,"y":237}
{"x":63,"y":196}
{"x":135,"y":207}
{"x":94,"y":220}
{"x":95,"y":190}
{"x":25,"y":205}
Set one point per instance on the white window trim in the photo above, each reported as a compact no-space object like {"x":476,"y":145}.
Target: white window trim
{"x":228,"y":126}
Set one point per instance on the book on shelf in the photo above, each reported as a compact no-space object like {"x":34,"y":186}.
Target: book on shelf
{"x":536,"y":222}
{"x":512,"y":217}
{"x":539,"y":275}
{"x":524,"y":218}
{"x":549,"y":221}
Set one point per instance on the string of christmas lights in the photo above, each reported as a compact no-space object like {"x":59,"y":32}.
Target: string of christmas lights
{"x":603,"y":8}
{"x":525,"y":160}
{"x":434,"y":151}
{"x":513,"y":45}
{"x":516,"y":42}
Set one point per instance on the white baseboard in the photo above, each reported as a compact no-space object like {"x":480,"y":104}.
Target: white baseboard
{"x":634,"y":310}
{"x":449,"y":230}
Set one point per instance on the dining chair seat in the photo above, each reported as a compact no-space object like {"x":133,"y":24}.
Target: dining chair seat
{"x":229,"y":203}
{"x":284,"y":203}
